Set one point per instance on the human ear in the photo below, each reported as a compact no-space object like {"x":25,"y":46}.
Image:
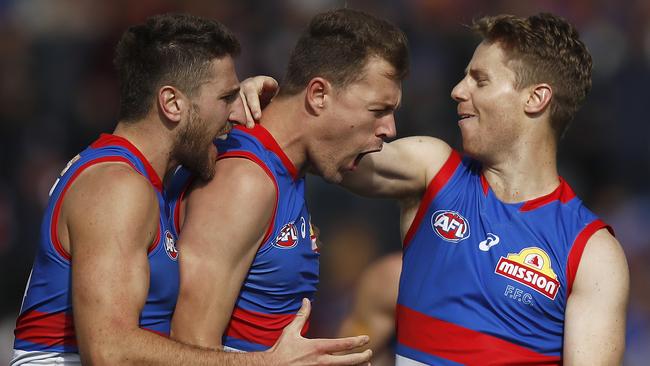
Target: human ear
{"x":318,"y":91}
{"x":171,"y":102}
{"x":539,"y":98}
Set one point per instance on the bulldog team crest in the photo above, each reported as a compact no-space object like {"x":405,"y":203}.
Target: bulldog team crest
{"x":531,"y":267}
{"x":170,"y":245}
{"x":313,"y":236}
{"x":288,"y":237}
{"x":450,"y":225}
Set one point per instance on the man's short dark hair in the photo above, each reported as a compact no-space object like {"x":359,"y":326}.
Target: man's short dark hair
{"x":169,"y":49}
{"x":544,"y":48}
{"x":337,"y":46}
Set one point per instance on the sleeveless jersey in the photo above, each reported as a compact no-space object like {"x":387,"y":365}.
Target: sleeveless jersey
{"x":285,"y":267}
{"x":486,"y":282}
{"x":45,"y":327}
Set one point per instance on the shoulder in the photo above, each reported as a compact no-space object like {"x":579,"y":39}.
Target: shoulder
{"x":603,"y":264}
{"x":605,"y":248}
{"x":239,"y":188}
{"x":110,"y":200}
{"x":240,"y":176}
{"x":113,"y":188}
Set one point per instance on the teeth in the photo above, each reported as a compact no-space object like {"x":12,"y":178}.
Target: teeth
{"x":222,"y":137}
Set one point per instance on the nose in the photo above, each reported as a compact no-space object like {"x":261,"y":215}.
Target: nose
{"x":386,"y":128}
{"x":459,"y":92}
{"x":237,"y":113}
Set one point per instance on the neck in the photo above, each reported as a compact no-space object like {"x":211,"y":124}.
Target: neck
{"x":286,"y":120}
{"x":524,"y":174}
{"x":152,"y":141}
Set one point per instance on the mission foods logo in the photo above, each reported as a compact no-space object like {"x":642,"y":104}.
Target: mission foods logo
{"x":450,"y":225}
{"x":532,"y":268}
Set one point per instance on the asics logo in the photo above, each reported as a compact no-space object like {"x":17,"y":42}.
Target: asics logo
{"x":489,"y":242}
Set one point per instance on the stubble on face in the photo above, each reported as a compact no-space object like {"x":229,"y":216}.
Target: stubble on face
{"x":193,"y":144}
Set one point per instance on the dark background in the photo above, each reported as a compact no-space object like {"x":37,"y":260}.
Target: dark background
{"x":58,"y":92}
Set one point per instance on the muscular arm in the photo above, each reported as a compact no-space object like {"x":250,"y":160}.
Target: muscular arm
{"x":403,"y":168}
{"x":111,"y":215}
{"x":374,"y":306}
{"x":594,"y":331}
{"x":225,"y":222}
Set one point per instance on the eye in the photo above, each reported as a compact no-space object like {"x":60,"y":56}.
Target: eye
{"x":230,"y":98}
{"x":379,"y":113}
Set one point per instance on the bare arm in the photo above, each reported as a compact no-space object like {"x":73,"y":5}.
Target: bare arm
{"x":594,"y":332}
{"x":402,"y":169}
{"x":374,"y":306}
{"x":225,"y":222}
{"x":111,"y":215}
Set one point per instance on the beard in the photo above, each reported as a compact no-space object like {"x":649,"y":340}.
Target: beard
{"x":193,"y":144}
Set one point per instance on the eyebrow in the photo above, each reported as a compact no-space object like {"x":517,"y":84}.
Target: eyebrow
{"x":232,"y":91}
{"x":386,"y":105}
{"x":475,"y":72}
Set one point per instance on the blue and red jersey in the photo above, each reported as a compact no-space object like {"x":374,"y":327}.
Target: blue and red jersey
{"x":45,"y":324}
{"x":286,"y":266}
{"x":486,"y":282}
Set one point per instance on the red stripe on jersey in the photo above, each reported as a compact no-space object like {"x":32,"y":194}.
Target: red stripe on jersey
{"x":563,"y":193}
{"x":484,"y":184}
{"x":250,"y":156}
{"x":578,"y":248}
{"x":48,"y":329}
{"x":436,"y":184}
{"x":264,"y":329}
{"x":263,"y":135}
{"x":54,"y":237}
{"x":459,"y":344}
{"x":157,"y":332}
{"x":106,"y":139}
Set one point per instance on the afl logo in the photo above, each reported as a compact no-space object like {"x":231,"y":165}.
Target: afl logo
{"x":450,"y":225}
{"x":170,"y":245}
{"x":288,"y":237}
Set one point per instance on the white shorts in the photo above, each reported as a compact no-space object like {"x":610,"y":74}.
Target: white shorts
{"x":38,"y":358}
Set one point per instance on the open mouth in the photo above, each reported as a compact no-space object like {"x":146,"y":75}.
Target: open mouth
{"x":223,"y":133}
{"x":357,"y":160}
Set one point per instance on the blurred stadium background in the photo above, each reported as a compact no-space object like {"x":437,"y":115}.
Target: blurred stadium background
{"x":58,"y":92}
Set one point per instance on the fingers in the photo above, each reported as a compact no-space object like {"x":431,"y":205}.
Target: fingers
{"x":251,"y":90}
{"x":342,"y":344}
{"x":256,"y":93}
{"x":360,"y":358}
{"x":270,"y":89}
{"x":250,"y":122}
{"x":301,"y":317}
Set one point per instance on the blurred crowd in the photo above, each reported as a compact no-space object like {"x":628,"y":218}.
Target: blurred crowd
{"x":58,"y":92}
